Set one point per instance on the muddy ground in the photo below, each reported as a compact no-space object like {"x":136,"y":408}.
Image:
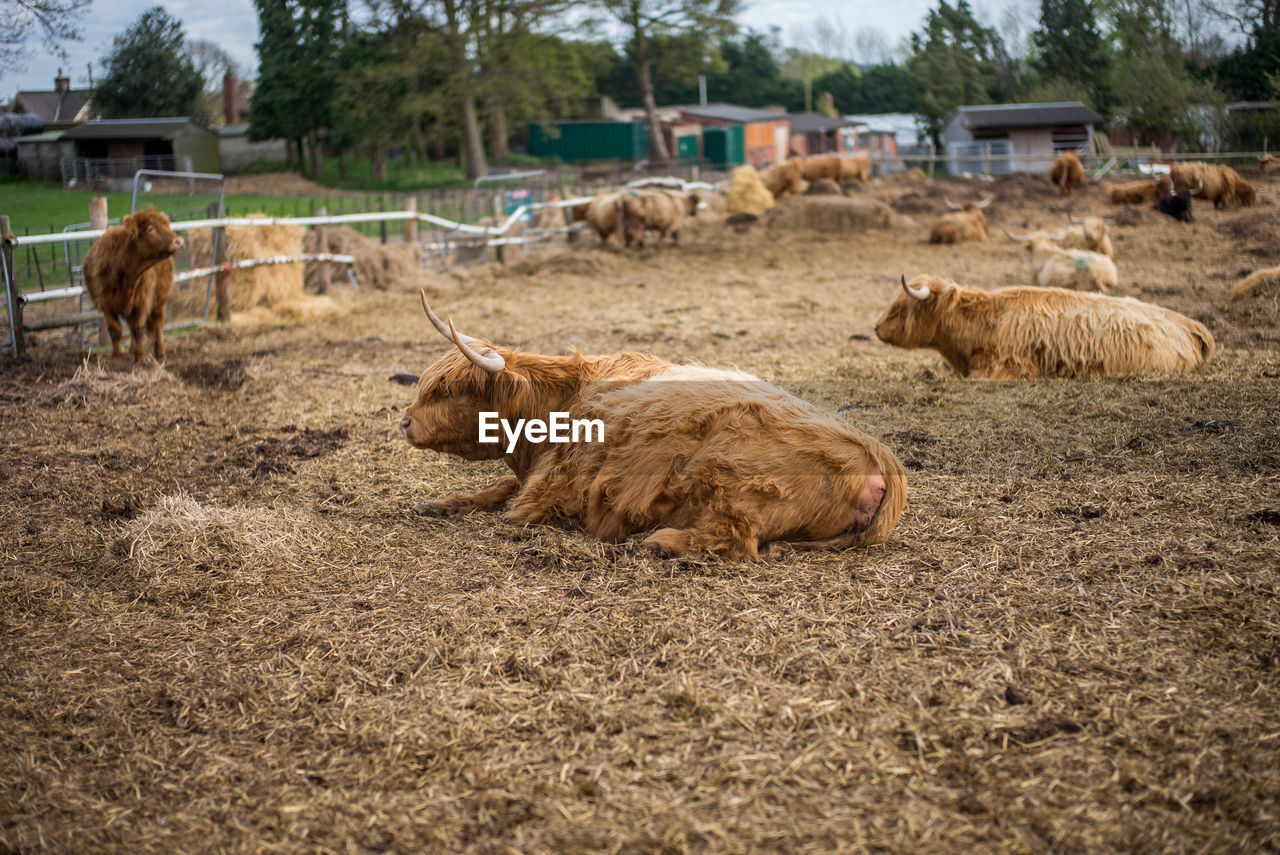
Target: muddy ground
{"x":221,"y":628}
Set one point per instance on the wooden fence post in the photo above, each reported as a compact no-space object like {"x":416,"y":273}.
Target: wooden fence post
{"x":98,"y":220}
{"x":11,"y":287}
{"x":498,"y":215}
{"x":322,"y":245}
{"x":411,"y":225}
{"x":222,"y":292}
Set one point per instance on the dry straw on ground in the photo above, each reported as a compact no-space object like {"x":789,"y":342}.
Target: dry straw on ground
{"x":831,"y":214}
{"x":223,"y":630}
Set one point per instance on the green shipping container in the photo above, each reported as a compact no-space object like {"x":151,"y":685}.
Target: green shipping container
{"x":722,"y":146}
{"x":578,"y":141}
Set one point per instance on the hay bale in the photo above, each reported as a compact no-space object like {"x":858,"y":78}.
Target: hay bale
{"x":831,"y":214}
{"x":1255,"y":283}
{"x":747,"y":193}
{"x":381,"y":266}
{"x":269,"y":287}
{"x":824,"y":187}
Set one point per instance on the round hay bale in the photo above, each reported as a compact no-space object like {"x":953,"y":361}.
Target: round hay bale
{"x":824,"y":187}
{"x":747,"y":193}
{"x":831,"y":214}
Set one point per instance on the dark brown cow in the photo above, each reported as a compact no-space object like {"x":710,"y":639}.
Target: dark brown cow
{"x":129,"y":274}
{"x":1067,"y":173}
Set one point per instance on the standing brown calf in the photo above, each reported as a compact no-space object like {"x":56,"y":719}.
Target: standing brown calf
{"x":129,"y":274}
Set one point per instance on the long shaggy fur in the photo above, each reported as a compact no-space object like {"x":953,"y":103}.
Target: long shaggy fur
{"x":1143,"y":192}
{"x":602,"y":214}
{"x":1077,"y":269}
{"x":129,"y":274}
{"x":786,"y":177}
{"x":1091,"y":235}
{"x":658,"y":210}
{"x":707,"y":459}
{"x":1222,"y":185}
{"x":1029,"y":333}
{"x":1066,"y":173}
{"x":958,"y":226}
{"x":1247,"y":286}
{"x":839,"y":168}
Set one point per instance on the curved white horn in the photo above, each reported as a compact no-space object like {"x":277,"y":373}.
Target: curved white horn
{"x":1199,"y":187}
{"x":1012,"y":236}
{"x":491,"y":362}
{"x":985,"y":202}
{"x":440,"y":325}
{"x":952,"y":205}
{"x":1074,"y":219}
{"x":1058,"y":235}
{"x":917,"y":293}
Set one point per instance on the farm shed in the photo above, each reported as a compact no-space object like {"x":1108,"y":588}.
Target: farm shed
{"x":765,"y":134}
{"x":40,"y":155}
{"x":1032,"y":133}
{"x":169,"y":143}
{"x":815,"y":133}
{"x":236,"y":151}
{"x":575,"y":141}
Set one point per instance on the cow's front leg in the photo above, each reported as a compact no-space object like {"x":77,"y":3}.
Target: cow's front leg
{"x":464,"y":503}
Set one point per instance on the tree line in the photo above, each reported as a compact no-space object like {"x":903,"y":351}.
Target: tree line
{"x":433,"y":78}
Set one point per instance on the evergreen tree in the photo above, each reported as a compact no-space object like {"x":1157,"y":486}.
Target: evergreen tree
{"x":297,"y":72}
{"x":1069,"y":46}
{"x":148,"y":71}
{"x":956,"y":61}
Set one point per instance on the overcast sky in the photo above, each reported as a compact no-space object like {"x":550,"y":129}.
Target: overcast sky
{"x":233,"y":26}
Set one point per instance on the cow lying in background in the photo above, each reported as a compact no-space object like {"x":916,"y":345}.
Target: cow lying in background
{"x":656,"y":210}
{"x":1089,"y":233}
{"x":1066,"y":173}
{"x":129,"y":274}
{"x":1077,"y":269}
{"x":967,"y":222}
{"x":1142,"y":192}
{"x":714,"y":460}
{"x":1028,"y":333}
{"x":1176,"y":205}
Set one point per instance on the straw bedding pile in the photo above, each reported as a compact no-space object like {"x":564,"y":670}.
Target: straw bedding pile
{"x":831,"y":214}
{"x":378,"y":265}
{"x":223,"y":630}
{"x":747,"y":193}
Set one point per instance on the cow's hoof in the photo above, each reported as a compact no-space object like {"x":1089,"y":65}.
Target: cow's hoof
{"x":437,"y":509}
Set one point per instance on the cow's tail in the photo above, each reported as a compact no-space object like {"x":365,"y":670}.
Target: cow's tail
{"x":895,"y":495}
{"x":1201,"y":333}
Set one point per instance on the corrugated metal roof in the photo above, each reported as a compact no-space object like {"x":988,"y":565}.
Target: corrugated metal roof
{"x":733,"y":113}
{"x":1028,"y":115}
{"x":815,"y":123}
{"x":130,"y":129}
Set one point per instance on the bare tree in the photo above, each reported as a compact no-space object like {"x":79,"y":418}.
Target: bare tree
{"x":645,"y":19}
{"x":871,"y":47}
{"x":53,"y":20}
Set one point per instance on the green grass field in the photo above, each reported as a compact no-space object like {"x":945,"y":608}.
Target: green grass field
{"x":43,"y":207}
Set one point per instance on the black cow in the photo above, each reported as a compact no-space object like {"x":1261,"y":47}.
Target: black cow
{"x":1176,"y":205}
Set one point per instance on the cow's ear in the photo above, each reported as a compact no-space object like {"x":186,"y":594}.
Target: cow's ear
{"x":130,"y":224}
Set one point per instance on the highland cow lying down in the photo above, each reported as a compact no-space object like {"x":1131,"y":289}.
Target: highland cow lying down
{"x":1026,"y":333}
{"x":704,"y":459}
